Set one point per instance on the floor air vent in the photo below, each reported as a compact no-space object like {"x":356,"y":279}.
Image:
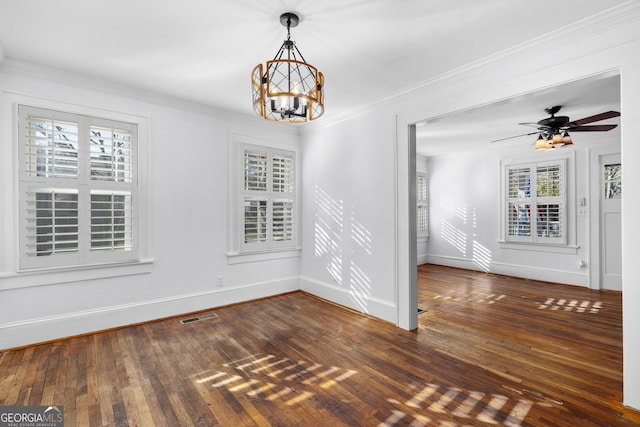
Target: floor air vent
{"x":198,"y":318}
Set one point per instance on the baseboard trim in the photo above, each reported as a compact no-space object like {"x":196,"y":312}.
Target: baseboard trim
{"x":44,"y":329}
{"x":350,"y":298}
{"x":514,"y":270}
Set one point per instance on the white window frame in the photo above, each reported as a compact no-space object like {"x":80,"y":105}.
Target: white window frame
{"x":566,"y":242}
{"x":240,"y":250}
{"x":12,"y":276}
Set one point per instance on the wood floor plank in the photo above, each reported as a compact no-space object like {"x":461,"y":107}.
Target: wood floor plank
{"x":489,"y":350}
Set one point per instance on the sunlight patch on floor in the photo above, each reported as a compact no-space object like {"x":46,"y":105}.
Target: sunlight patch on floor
{"x":477,"y":297}
{"x":270,"y":377}
{"x":554,"y":304}
{"x":434,"y":401}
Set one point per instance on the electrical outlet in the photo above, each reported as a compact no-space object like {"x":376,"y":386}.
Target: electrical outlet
{"x":219,"y":281}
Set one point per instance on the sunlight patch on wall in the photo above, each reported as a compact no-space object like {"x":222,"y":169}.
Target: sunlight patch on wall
{"x":337,"y":249}
{"x":454,"y":236}
{"x":327,"y":245}
{"x":360,"y":235}
{"x":360,"y":287}
{"x":571,"y":305}
{"x":330,"y":209}
{"x":271,"y":378}
{"x":481,"y":256}
{"x":455,"y":208}
{"x":429,"y":404}
{"x":329,"y":227}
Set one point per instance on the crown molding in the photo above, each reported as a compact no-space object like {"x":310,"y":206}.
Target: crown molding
{"x":56,"y":76}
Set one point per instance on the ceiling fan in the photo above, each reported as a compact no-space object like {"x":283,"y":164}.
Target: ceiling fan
{"x":554,"y":130}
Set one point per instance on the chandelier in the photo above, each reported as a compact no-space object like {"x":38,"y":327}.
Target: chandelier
{"x":288,"y":89}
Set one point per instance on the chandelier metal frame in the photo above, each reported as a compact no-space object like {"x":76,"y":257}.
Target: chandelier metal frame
{"x":288,"y":88}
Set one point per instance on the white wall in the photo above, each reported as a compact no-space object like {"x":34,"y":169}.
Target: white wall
{"x":348,"y":209}
{"x":187,"y":167}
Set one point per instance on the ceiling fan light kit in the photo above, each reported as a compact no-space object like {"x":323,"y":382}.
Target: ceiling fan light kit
{"x":287,"y":88}
{"x":546,"y":141}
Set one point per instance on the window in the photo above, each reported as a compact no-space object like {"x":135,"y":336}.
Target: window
{"x":268,"y":197}
{"x":535,"y":203}
{"x":613,"y":181}
{"x":77,"y":189}
{"x":422,"y":213}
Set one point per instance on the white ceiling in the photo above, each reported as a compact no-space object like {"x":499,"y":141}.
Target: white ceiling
{"x":368,"y":50}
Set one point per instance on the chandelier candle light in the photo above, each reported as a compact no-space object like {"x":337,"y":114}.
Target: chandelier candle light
{"x":288,"y":89}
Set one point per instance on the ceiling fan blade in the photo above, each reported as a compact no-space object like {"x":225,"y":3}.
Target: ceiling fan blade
{"x":535,"y":125}
{"x":594,"y":128}
{"x":591,"y":119}
{"x":511,"y":137}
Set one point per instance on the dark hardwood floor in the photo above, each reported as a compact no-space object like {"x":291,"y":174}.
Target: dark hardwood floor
{"x":489,"y":350}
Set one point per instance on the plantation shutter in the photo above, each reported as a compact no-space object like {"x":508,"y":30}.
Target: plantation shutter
{"x":77,"y":189}
{"x":51,"y":147}
{"x":255,"y":171}
{"x":111,"y":154}
{"x":51,"y":222}
{"x":550,"y":206}
{"x":255,"y":202}
{"x":282,"y":208}
{"x":282,"y":220}
{"x":269,"y":201}
{"x":283,"y":173}
{"x":255,"y":220}
{"x":519,"y":203}
{"x":422,"y":212}
{"x":111,"y":172}
{"x":536,"y":203}
{"x":111,"y":221}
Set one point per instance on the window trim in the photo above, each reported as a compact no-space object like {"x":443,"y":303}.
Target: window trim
{"x":270,"y":197}
{"x":11,"y":276}
{"x":238,"y":252}
{"x":82,"y":184}
{"x":568,"y":243}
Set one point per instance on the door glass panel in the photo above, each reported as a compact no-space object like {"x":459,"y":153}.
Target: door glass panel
{"x":613,"y":181}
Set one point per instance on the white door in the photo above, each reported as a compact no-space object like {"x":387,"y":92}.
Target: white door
{"x":610,"y":222}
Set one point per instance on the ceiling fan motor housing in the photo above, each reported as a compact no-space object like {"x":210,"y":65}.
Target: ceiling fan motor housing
{"x":555,"y":122}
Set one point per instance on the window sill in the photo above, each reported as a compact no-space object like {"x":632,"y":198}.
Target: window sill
{"x":539,"y":247}
{"x":52,"y":276}
{"x":266,"y":255}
